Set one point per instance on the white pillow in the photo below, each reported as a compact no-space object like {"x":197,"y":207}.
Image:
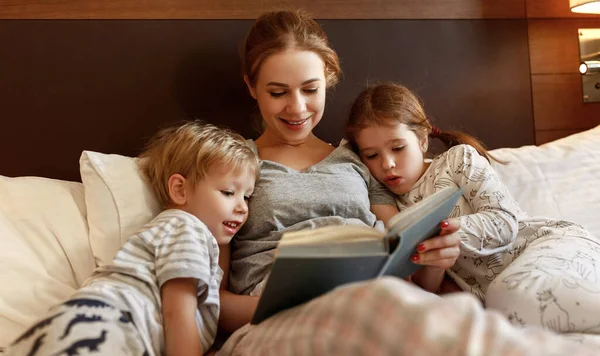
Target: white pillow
{"x":44,"y":248}
{"x":27,"y":288}
{"x":559,"y":179}
{"x":50,"y":216}
{"x":118,"y":201}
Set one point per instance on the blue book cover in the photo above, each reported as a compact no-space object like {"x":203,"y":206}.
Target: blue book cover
{"x":313,"y":262}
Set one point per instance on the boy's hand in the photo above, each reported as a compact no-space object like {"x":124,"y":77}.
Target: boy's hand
{"x":441,"y":251}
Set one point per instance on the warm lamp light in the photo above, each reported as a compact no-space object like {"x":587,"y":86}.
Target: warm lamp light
{"x":589,"y":67}
{"x":585,"y":6}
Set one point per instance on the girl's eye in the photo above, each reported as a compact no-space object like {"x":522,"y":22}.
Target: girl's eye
{"x":399,"y":148}
{"x":371,"y":156}
{"x":227,"y":193}
{"x":311,"y":90}
{"x":277,"y":94}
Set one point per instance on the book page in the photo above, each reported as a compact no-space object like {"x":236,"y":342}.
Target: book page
{"x":339,"y":233}
{"x":346,"y":248}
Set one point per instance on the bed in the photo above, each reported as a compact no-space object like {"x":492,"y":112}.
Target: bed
{"x":71,"y":193}
{"x":54,"y":232}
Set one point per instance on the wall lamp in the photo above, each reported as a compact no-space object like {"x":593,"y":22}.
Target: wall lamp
{"x":585,"y":6}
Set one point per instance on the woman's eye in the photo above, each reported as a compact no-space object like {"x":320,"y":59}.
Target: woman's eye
{"x":227,"y":193}
{"x":311,"y":90}
{"x":277,"y":94}
{"x":399,"y":148}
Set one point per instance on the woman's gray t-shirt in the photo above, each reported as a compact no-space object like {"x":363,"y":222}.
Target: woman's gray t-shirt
{"x":339,"y":190}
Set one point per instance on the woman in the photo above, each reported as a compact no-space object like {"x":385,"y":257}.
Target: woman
{"x":307,"y":183}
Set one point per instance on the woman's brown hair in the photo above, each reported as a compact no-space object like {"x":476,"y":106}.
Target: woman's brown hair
{"x":277,"y":31}
{"x":382,"y":103}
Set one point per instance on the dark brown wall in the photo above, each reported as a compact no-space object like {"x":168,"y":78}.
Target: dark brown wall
{"x":552,"y":26}
{"x":121,"y":79}
{"x":107,"y":85}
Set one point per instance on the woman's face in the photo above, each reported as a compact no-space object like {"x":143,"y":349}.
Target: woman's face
{"x":290,"y":91}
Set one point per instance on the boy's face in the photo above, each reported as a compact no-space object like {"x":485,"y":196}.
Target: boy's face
{"x":393,"y":154}
{"x":220,"y":201}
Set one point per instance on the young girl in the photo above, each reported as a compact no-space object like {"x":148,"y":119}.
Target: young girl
{"x":390,"y":131}
{"x":160,"y":294}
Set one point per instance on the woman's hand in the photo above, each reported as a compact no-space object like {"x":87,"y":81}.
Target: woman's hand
{"x":437,"y":254}
{"x":441,"y":251}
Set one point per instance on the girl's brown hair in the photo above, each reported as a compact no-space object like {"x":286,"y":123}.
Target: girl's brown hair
{"x":383,"y":103}
{"x":277,"y":31}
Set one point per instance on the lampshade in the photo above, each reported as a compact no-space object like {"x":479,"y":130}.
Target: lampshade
{"x":585,"y":6}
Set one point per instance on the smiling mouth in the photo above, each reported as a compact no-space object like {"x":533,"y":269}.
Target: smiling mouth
{"x":231,"y":224}
{"x":295,"y":123}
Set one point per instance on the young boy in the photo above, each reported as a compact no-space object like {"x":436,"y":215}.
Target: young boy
{"x":160,"y":294}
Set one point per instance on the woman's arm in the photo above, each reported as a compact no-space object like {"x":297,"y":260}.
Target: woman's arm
{"x":236,"y":310}
{"x":179,"y":302}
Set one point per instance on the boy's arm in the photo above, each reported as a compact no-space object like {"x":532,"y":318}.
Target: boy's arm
{"x":236,"y":310}
{"x":179,"y":303}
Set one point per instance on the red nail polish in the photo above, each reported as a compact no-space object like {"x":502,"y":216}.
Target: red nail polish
{"x":444,"y":223}
{"x":415,"y":258}
{"x":421,"y":247}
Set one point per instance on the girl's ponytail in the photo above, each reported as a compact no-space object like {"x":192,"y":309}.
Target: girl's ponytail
{"x":453,"y":138}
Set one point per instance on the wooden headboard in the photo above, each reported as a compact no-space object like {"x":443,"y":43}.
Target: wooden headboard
{"x":107,"y":85}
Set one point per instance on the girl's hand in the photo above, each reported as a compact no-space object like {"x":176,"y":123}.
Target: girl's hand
{"x":441,"y":251}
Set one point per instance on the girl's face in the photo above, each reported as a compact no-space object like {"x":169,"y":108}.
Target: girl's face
{"x":394,"y":155}
{"x":290,"y":91}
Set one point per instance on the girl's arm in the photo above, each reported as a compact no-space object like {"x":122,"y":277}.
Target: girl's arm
{"x":493,"y":222}
{"x":179,"y":303}
{"x":384,"y":212}
{"x":236,"y":310}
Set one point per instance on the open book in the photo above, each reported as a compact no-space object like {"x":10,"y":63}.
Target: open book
{"x":310,"y":263}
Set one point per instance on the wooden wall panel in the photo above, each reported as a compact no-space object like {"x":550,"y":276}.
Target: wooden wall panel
{"x":552,"y":9}
{"x":558,"y":103}
{"x":554,"y":44}
{"x":546,"y":136}
{"x":245,"y":9}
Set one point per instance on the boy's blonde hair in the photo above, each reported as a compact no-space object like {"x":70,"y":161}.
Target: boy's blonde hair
{"x":192,"y":149}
